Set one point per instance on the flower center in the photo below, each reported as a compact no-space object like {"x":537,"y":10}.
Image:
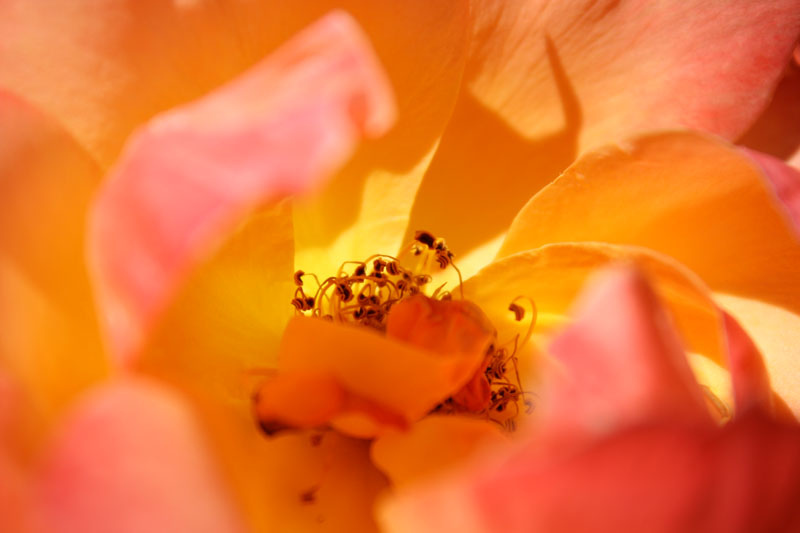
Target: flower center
{"x":397,"y":297}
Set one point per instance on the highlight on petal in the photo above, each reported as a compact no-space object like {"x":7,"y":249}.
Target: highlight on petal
{"x":187,"y":178}
{"x":50,"y":339}
{"x":620,"y":362}
{"x":633,"y":66}
{"x":131,"y":457}
{"x":660,"y":478}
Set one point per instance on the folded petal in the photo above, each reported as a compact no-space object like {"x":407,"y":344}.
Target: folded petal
{"x":50,"y":340}
{"x":658,"y":478}
{"x":777,"y":130}
{"x":683,"y":194}
{"x":633,"y":66}
{"x":132,"y":457}
{"x":620,"y":362}
{"x":190,"y":176}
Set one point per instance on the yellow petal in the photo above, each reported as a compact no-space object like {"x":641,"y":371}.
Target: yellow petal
{"x":433,"y":445}
{"x":685,"y":195}
{"x":365,"y":209}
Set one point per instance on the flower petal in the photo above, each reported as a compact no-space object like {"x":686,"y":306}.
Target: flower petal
{"x":50,"y":340}
{"x":683,"y":194}
{"x":633,"y":66}
{"x":658,"y":478}
{"x":622,"y":362}
{"x":131,"y":457}
{"x":191,"y":175}
{"x":553,"y":275}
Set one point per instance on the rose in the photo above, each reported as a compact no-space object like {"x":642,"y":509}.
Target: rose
{"x":139,"y":292}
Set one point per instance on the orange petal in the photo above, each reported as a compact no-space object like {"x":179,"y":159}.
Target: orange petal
{"x":631,"y":66}
{"x":621,"y":362}
{"x":191,"y":175}
{"x":50,"y":340}
{"x":434,"y":445}
{"x":661,"y":478}
{"x":395,"y":376}
{"x":131,"y":454}
{"x":683,"y":194}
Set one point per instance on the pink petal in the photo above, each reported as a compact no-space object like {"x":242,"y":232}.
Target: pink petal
{"x":132,"y":458}
{"x":622,"y":361}
{"x":190,"y":175}
{"x":745,"y":477}
{"x":784,"y":180}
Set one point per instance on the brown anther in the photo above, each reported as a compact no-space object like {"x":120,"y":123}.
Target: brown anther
{"x":358,"y":313}
{"x":298,"y":304}
{"x":360,"y":271}
{"x":439,"y":245}
{"x":393,"y":268}
{"x":422,"y":279}
{"x":425,"y":238}
{"x":378,"y":265}
{"x":344,"y":292}
{"x":519,"y":312}
{"x":309,"y":303}
{"x":298,"y":278}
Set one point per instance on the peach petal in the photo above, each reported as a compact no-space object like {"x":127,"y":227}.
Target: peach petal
{"x":633,"y":66}
{"x":751,"y":385}
{"x":132,"y":457}
{"x":50,"y":338}
{"x":660,"y":478}
{"x":189,"y":176}
{"x":621,"y":362}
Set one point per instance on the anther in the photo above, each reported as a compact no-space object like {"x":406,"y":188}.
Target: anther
{"x":519,"y":312}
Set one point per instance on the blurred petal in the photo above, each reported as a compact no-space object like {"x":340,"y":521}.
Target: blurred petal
{"x":130,"y":458}
{"x":683,"y":194}
{"x":50,"y":340}
{"x":621,"y":362}
{"x":434,"y":445}
{"x":190,"y":176}
{"x":663,"y":478}
{"x":634,"y":66}
{"x":777,"y":130}
{"x":748,"y":372}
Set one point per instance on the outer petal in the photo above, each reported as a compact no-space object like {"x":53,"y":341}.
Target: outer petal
{"x":634,"y":65}
{"x":785,"y":180}
{"x":682,"y":194}
{"x":190,"y":176}
{"x":50,"y":340}
{"x":132,"y":458}
{"x":622,"y":362}
{"x":745,"y":477}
